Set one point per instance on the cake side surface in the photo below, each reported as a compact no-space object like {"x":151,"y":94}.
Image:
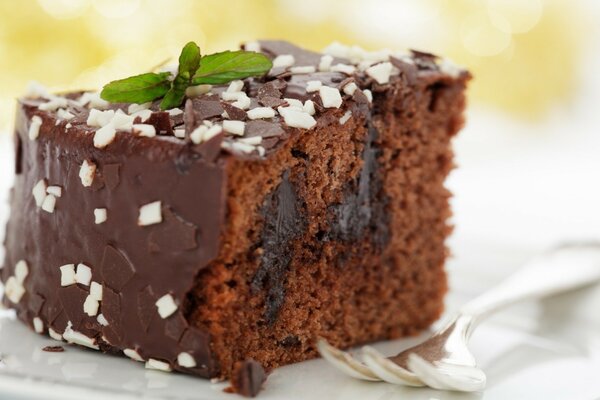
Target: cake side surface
{"x":364,"y":259}
{"x":192,"y":251}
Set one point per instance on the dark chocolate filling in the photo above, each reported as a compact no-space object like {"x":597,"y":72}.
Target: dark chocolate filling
{"x":284,"y":222}
{"x":362,"y":211}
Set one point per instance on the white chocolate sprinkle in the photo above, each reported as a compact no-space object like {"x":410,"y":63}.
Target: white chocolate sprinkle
{"x":122,"y":121}
{"x":350,"y":88}
{"x":325,"y":63}
{"x":35,"y":90}
{"x":93,"y":100}
{"x":133,"y":108}
{"x":64,"y":114}
{"x":166,"y":306}
{"x":261,"y":112}
{"x":102,"y":319}
{"x":150,"y":214}
{"x":143,"y":115}
{"x":305,"y":69}
{"x":369,"y":95}
{"x":204,"y":133}
{"x":284,"y":61}
{"x":380,"y":72}
{"x":13,"y":290}
{"x":252,"y":46}
{"x":54,"y":335}
{"x":309,"y":107}
{"x":100,"y":215}
{"x":343,"y":68}
{"x":83,"y":274}
{"x":99,"y":118}
{"x":253,"y":140}
{"x":175,"y":111}
{"x":21,"y":271}
{"x":158,"y":365}
{"x":234,"y":127}
{"x":34,"y":127}
{"x":49,"y":203}
{"x":180,"y":133}
{"x":90,"y":306}
{"x":134,"y":355}
{"x":230,"y":96}
{"x":87,"y":172}
{"x":297,"y":118}
{"x":186,"y":360}
{"x":144,"y":130}
{"x":73,"y":336}
{"x":330,"y":97}
{"x":313,"y":86}
{"x":294,"y":102}
{"x":194,"y":91}
{"x":38,"y":325}
{"x":55,"y":103}
{"x":242,"y":102}
{"x":104,"y":136}
{"x":67,"y":275}
{"x":345,"y":117}
{"x":54,"y":190}
{"x":235,"y":86}
{"x":39,"y":192}
{"x":96,"y":291}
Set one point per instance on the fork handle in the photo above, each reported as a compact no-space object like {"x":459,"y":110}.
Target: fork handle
{"x":559,"y":270}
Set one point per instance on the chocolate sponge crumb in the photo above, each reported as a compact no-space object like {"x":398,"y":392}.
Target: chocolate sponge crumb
{"x":247,"y":378}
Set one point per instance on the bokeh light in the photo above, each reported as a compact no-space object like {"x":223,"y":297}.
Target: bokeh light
{"x":73,"y":44}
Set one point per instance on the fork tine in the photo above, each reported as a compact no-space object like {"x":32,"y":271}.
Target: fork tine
{"x":470,"y":379}
{"x":345,"y":362}
{"x":389,"y":371}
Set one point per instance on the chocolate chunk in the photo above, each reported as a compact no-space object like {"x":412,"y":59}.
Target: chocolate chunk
{"x":54,"y":349}
{"x":162,"y":122}
{"x":189,"y":117}
{"x":196,"y":342}
{"x":273,"y":102}
{"x":407,"y":70}
{"x":72,"y":298}
{"x":234,"y":112}
{"x":173,"y":235}
{"x":248,"y":378}
{"x":111,"y":174}
{"x":36,"y":301}
{"x":263,"y":128}
{"x":175,"y":326}
{"x":146,"y":309}
{"x":210,"y":149}
{"x":116,"y":268}
{"x":111,"y":306}
{"x":273,"y":88}
{"x":206,"y":109}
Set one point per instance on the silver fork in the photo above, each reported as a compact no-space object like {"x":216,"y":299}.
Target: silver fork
{"x":444,"y":361}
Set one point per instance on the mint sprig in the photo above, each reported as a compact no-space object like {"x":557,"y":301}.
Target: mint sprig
{"x":194,"y":69}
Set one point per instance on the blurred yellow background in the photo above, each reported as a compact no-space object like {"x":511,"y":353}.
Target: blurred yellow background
{"x":524,"y":53}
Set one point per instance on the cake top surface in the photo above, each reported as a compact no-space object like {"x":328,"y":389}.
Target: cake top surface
{"x":250,"y":118}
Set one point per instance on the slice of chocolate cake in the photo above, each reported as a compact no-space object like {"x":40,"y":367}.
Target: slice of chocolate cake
{"x":245,"y":224}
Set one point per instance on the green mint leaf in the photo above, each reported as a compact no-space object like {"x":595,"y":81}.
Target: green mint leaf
{"x":224,"y":67}
{"x":189,"y":61}
{"x":137,"y":89}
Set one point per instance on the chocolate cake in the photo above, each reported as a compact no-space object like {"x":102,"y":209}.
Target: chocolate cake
{"x":245,"y":224}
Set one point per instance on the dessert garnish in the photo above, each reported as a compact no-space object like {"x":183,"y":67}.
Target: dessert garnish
{"x":194,"y":69}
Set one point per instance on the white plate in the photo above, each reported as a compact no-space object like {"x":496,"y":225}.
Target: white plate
{"x":544,"y":350}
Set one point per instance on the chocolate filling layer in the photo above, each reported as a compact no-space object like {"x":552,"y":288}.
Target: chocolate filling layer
{"x":284,"y":223}
{"x":362,"y":211}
